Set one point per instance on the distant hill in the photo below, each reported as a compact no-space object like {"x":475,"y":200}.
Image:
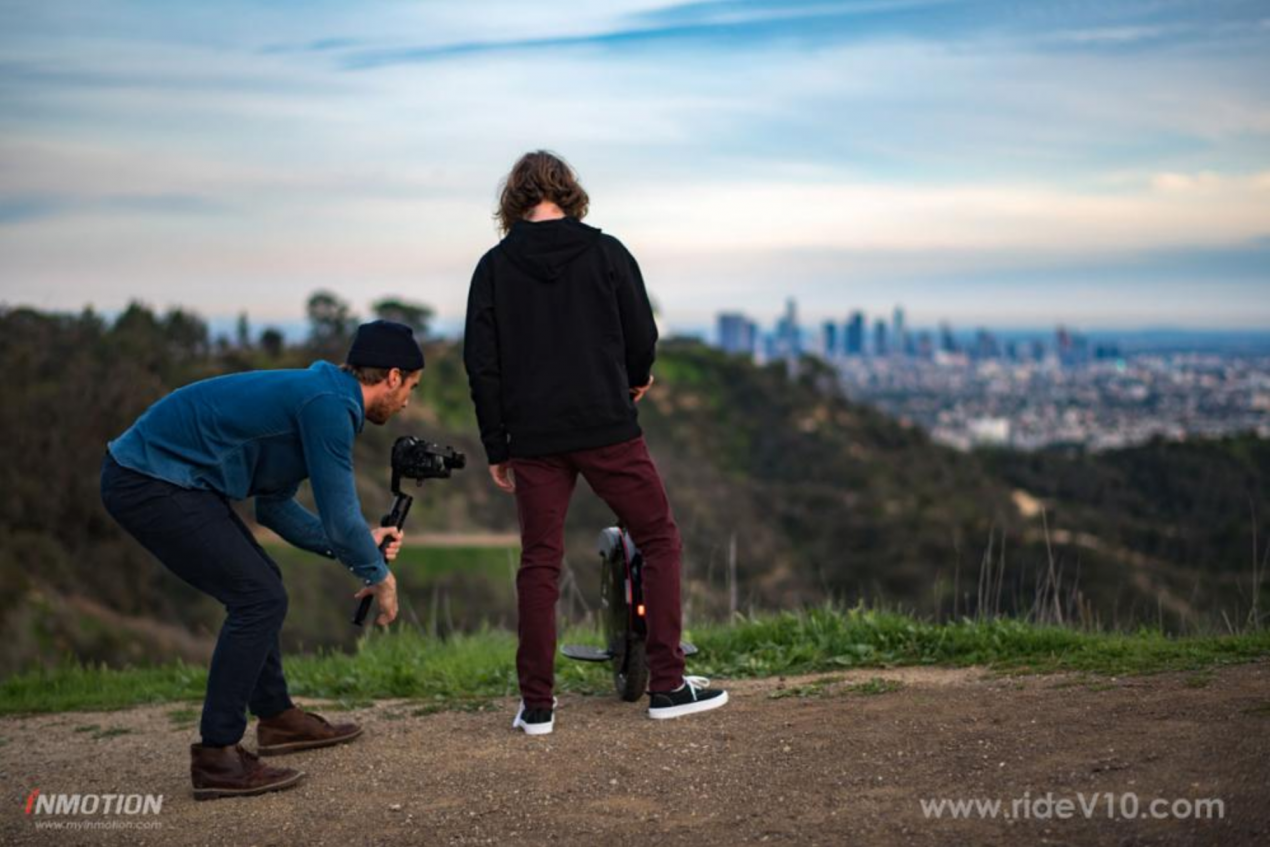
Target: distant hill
{"x":822,"y":497}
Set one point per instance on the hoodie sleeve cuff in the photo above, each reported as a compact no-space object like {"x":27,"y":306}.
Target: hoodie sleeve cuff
{"x":497,"y":453}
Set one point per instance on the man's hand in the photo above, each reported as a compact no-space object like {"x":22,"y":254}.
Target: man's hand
{"x":379,"y":533}
{"x":502,"y":476}
{"x":637,"y":393}
{"x":385,"y":594}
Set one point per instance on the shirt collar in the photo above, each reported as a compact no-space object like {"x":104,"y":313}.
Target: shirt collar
{"x":349,"y":384}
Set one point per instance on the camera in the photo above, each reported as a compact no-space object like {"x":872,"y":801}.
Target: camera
{"x":414,"y":458}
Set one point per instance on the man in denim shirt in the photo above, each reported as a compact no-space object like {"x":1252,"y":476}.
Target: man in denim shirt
{"x":169,"y":479}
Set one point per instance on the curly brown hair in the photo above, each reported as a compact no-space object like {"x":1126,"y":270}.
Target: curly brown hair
{"x":538,"y":176}
{"x":371,"y":376}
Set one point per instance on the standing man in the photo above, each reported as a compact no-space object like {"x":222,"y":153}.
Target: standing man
{"x":559,"y":347}
{"x":169,"y":479}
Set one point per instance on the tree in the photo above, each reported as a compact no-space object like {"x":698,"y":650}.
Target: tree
{"x":272,"y":341}
{"x":186,"y":334}
{"x":244,"y":332}
{"x":331,"y":324}
{"x":417,"y":316}
{"x":140,"y":336}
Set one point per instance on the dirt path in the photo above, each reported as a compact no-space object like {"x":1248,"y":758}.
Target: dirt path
{"x":834,"y":766}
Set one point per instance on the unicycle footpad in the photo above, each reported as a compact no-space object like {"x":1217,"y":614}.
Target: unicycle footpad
{"x":586,"y":653}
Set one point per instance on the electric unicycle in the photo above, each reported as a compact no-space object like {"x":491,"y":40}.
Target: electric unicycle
{"x":623,"y":616}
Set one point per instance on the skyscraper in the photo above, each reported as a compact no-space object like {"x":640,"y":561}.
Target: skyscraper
{"x":829,"y":336}
{"x":788,"y":334}
{"x":899,"y":333}
{"x":926,"y":346}
{"x":879,"y":338}
{"x":1073,"y":349}
{"x":737,"y":333}
{"x":855,"y":334}
{"x":986,"y":345}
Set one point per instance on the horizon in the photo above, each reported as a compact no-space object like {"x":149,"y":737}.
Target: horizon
{"x":295,"y":330}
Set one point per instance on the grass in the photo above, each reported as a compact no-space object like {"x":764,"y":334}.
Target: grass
{"x":472,"y":669}
{"x":815,"y":688}
{"x":875,"y":686}
{"x":419,"y":561}
{"x":439,"y":586}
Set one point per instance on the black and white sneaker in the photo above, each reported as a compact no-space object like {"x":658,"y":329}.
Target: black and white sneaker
{"x":692,"y":696}
{"x":538,"y":721}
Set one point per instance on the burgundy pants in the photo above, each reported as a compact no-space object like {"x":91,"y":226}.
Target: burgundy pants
{"x":623,"y":476}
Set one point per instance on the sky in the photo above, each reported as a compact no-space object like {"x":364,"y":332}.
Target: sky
{"x":1098,"y":164}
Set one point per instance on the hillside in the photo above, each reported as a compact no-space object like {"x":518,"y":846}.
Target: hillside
{"x":821,"y":496}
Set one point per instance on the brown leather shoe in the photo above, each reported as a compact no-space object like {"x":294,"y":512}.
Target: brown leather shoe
{"x":234,"y":772}
{"x":296,"y":729}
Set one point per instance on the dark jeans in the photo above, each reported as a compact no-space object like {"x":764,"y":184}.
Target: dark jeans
{"x":623,"y":476}
{"x":199,"y":538}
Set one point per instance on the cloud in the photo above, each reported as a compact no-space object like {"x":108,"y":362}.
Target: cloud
{"x":728,"y":24}
{"x":1177,"y":210}
{"x":742,"y":148}
{"x":758,"y":24}
{"x":18,"y":209}
{"x":1115,"y":34}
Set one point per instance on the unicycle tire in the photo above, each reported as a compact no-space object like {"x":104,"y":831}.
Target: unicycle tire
{"x":632,"y":683}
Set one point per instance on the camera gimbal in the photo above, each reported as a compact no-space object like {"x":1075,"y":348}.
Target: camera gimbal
{"x":412,"y":458}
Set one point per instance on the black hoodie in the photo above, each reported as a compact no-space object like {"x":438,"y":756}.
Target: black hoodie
{"x":559,"y":329}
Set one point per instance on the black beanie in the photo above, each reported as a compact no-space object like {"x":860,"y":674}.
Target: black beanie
{"x":385,"y":344}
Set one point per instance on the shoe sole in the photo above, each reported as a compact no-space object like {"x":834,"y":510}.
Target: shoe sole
{"x":688,"y":708}
{"x":218,"y":793}
{"x":535,"y":728}
{"x":297,"y":746}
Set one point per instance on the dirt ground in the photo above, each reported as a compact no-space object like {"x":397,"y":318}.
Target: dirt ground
{"x":837,"y":765}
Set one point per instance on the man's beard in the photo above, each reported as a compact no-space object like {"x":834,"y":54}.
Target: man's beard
{"x":380,"y":411}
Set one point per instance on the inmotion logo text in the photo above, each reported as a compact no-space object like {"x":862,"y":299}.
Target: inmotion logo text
{"x":93,"y":804}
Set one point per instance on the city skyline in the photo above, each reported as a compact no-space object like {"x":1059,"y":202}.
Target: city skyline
{"x":1098,"y":165}
{"x":862,"y":334}
{"x":1027,"y":390}
{"x":854,"y":331}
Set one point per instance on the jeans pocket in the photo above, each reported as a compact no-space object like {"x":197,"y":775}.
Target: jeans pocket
{"x":197,"y":507}
{"x":153,"y":507}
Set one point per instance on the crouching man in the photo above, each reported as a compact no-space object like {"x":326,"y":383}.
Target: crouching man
{"x":169,"y":479}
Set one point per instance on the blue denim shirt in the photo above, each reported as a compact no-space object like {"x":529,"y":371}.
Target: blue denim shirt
{"x":260,"y":434}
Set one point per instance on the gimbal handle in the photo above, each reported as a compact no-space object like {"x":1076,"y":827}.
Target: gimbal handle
{"x":397,"y":517}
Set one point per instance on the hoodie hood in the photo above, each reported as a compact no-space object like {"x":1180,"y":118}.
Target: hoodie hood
{"x":544,"y":249}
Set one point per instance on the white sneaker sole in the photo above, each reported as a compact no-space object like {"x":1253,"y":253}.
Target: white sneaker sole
{"x":688,"y":708}
{"x":535,"y":728}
